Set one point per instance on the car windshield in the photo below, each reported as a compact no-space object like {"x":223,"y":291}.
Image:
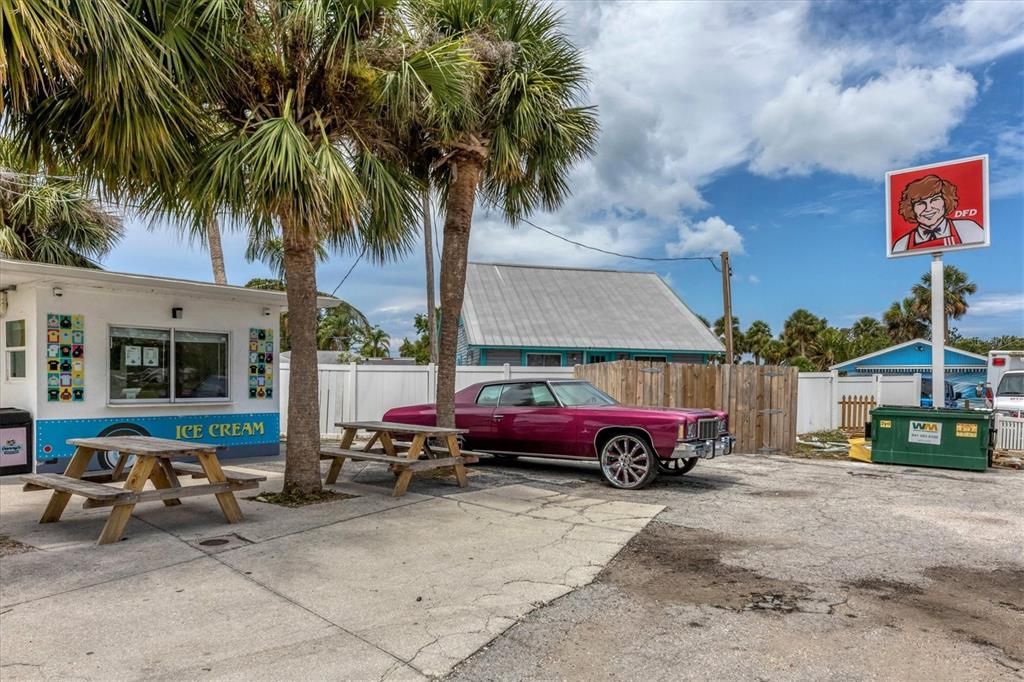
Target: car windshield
{"x":576,"y":393}
{"x":1011,"y":384}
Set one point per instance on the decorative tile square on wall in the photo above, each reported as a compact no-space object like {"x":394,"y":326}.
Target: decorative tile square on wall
{"x":65,"y":358}
{"x":261,"y":363}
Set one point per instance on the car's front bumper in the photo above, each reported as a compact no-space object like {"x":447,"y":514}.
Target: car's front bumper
{"x":705,"y":449}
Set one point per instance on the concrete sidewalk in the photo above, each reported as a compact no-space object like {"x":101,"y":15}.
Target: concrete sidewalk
{"x":369,"y":587}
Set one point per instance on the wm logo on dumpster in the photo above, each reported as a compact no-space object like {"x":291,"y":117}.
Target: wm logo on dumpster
{"x":925,"y":433}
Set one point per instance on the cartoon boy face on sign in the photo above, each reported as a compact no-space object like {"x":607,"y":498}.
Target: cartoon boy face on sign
{"x":938,"y":208}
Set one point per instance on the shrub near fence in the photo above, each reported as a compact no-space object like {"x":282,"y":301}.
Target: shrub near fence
{"x":761,"y":400}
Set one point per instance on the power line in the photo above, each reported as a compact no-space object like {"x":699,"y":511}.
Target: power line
{"x":353,"y":267}
{"x":656,"y":259}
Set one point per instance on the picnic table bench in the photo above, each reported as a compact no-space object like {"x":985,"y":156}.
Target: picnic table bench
{"x":402,"y":463}
{"x":154,"y":461}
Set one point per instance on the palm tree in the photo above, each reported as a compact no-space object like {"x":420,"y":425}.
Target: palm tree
{"x":375,"y":343}
{"x":757,"y":338}
{"x":867,"y":327}
{"x":51,"y":219}
{"x":738,"y":341}
{"x":903,"y":321}
{"x":829,"y":347}
{"x":515,"y":141}
{"x":341,"y":327}
{"x":956,"y":288}
{"x":280,"y":113}
{"x":801,"y":328}
{"x":776,"y":352}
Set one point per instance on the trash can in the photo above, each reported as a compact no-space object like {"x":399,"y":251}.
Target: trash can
{"x":921,"y":436}
{"x":15,"y":441}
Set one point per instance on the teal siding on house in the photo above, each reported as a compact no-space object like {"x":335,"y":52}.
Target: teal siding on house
{"x":569,"y":356}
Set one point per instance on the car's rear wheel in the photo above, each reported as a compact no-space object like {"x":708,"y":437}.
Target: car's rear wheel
{"x":677,"y":467}
{"x":628,"y":462}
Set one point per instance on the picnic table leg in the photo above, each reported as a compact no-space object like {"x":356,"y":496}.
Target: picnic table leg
{"x":214,"y":474}
{"x":460,"y":468}
{"x":122,"y":460}
{"x":58,"y":501}
{"x":163,"y":476}
{"x":405,"y":475}
{"x":119,"y":515}
{"x":338,"y":462}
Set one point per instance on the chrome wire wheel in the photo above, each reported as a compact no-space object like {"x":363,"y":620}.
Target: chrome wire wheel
{"x":627,"y":462}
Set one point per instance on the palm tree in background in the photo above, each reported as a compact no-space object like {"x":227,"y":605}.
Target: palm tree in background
{"x":342,"y":326}
{"x":956,"y":286}
{"x":903,"y":321}
{"x":829,"y":347}
{"x":376,"y":343}
{"x":738,"y":342}
{"x":801,"y":328}
{"x":48,"y":219}
{"x":513,"y":143}
{"x":757,"y":339}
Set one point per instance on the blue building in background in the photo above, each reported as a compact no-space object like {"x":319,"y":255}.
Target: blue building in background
{"x":965,"y":371}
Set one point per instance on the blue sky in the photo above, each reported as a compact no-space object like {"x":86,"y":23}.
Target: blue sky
{"x":762,"y":128}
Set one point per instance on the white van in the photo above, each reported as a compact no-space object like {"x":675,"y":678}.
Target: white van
{"x":1004,"y":385}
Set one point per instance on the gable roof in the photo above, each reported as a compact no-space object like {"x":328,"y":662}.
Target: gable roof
{"x":913,"y":342}
{"x":547,"y":307}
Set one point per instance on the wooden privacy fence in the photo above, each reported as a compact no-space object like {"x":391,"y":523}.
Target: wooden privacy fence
{"x":855,"y":411}
{"x":761,"y":400}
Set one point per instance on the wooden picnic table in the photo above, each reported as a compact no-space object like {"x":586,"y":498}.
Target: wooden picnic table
{"x":154,"y":461}
{"x":402,"y":463}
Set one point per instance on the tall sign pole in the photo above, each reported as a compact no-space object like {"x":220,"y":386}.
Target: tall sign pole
{"x":930,"y":210}
{"x":727,"y":304}
{"x":938,"y":332}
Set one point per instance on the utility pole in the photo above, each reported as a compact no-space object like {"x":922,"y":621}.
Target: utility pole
{"x":727,"y":302}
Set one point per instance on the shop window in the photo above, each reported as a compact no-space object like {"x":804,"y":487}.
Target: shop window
{"x":14,"y":339}
{"x":200,"y":365}
{"x":140,"y":364}
{"x":143,"y":363}
{"x":543,"y":359}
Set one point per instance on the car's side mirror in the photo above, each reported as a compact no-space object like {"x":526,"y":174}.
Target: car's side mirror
{"x":958,"y":395}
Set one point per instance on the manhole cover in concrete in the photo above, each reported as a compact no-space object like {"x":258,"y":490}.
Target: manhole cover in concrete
{"x":222,"y":542}
{"x":214,"y":542}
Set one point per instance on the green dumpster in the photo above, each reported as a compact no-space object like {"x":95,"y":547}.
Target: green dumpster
{"x":924,"y":436}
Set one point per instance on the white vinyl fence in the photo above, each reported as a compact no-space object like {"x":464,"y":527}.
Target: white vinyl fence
{"x":365,"y":392}
{"x":819,"y":394}
{"x":1009,"y":433}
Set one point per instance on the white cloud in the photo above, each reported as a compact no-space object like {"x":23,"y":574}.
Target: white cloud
{"x":706,"y":238}
{"x":754,"y":279}
{"x":816,"y":123}
{"x":494,"y":240}
{"x":984,"y":29}
{"x":998,"y":304}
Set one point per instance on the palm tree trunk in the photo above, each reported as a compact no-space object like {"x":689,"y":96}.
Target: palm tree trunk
{"x":457,"y":223}
{"x":302,"y":465}
{"x":216,"y":251}
{"x":428,"y":252}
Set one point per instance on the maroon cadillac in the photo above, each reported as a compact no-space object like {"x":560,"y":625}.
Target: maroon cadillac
{"x":574,"y":420}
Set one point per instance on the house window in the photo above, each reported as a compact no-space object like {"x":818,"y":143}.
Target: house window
{"x":200,"y":365}
{"x":14,"y":338}
{"x":543,"y":359}
{"x":574,"y":358}
{"x":650,"y":358}
{"x":595,"y":358}
{"x":143,"y":362}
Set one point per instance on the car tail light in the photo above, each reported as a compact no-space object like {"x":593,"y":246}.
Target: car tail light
{"x":998,"y":362}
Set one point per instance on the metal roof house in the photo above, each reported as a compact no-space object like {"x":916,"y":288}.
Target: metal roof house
{"x":559,"y":317}
{"x":915,"y":357}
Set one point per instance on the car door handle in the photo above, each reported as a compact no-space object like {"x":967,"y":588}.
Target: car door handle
{"x":498,"y":417}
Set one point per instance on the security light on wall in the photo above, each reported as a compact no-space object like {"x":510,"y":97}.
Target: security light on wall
{"x":177,"y":313}
{"x":266,"y":312}
{"x":58,"y":292}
